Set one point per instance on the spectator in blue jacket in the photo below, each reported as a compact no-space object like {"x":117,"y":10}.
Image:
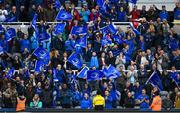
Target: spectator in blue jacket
{"x":25,"y":43}
{"x":163,"y":14}
{"x":94,"y":61}
{"x":108,"y":100}
{"x":122,"y":15}
{"x":143,"y":100}
{"x":60,"y":73}
{"x":86,"y":102}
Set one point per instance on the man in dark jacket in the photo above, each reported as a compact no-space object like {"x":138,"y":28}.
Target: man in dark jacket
{"x":47,"y":97}
{"x":129,"y":101}
{"x":167,"y":103}
{"x":66,"y":97}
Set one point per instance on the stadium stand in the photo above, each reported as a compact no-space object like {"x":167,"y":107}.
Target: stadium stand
{"x":56,"y":54}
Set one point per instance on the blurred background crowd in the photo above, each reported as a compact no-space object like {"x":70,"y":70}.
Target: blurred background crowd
{"x":136,"y":57}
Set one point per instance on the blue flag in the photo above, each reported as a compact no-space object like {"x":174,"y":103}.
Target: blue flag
{"x":43,"y":37}
{"x":34,"y":22}
{"x":155,"y":81}
{"x":42,"y":54}
{"x":59,"y":28}
{"x":1,"y":29}
{"x":132,"y":1}
{"x":104,"y":29}
{"x":1,"y":50}
{"x":63,"y":15}
{"x":105,"y":40}
{"x":112,"y":29}
{"x":175,"y":77}
{"x":118,"y":39}
{"x":39,"y":66}
{"x":74,"y":59}
{"x":11,"y":19}
{"x":83,"y":73}
{"x":10,"y":73}
{"x":93,"y":75}
{"x":76,"y":30}
{"x":82,"y":42}
{"x":111,"y":72}
{"x":10,"y":34}
{"x":57,"y":4}
{"x":100,"y":2}
{"x":55,"y":75}
{"x":135,"y":30}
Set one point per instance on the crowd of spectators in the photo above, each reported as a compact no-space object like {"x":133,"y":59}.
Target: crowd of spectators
{"x":157,"y":48}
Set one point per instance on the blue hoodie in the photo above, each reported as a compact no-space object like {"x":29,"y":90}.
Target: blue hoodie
{"x":86,"y":104}
{"x":108,"y":100}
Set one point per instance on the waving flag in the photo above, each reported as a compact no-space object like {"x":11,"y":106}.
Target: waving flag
{"x":83,"y":73}
{"x":1,"y":50}
{"x":135,"y":30}
{"x":75,"y":60}
{"x":82,"y":42}
{"x":10,"y":34}
{"x":42,"y":54}
{"x":118,"y":39}
{"x":155,"y":81}
{"x":10,"y":73}
{"x":59,"y":28}
{"x":112,"y":29}
{"x":105,"y":40}
{"x":34,"y":22}
{"x":57,"y":4}
{"x":111,"y":72}
{"x":76,"y":30}
{"x":39,"y":66}
{"x":11,"y":19}
{"x":93,"y":75}
{"x":43,"y":37}
{"x":175,"y":77}
{"x":63,"y":15}
{"x":55,"y":75}
{"x":132,"y":1}
{"x":104,"y":29}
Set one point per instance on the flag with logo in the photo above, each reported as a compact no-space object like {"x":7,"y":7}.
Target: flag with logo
{"x":155,"y":81}
{"x":75,"y":60}
{"x":57,"y":4}
{"x":39,"y":66}
{"x":44,"y":37}
{"x":59,"y":28}
{"x":10,"y":73}
{"x":93,"y":75}
{"x":77,"y":30}
{"x":10,"y":34}
{"x":106,"y":40}
{"x":112,"y":29}
{"x":82,"y":42}
{"x":63,"y":15}
{"x":111,"y":72}
{"x":42,"y":54}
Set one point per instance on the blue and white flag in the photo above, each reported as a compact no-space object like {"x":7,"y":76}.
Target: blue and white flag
{"x":105,"y":40}
{"x":10,"y":34}
{"x":57,"y":4}
{"x":77,"y":30}
{"x":63,"y":15}
{"x":83,"y":73}
{"x":132,"y":1}
{"x":175,"y":77}
{"x":82,"y":42}
{"x":39,"y":66}
{"x":112,"y":29}
{"x":11,"y":19}
{"x":42,"y":54}
{"x":1,"y":50}
{"x":34,"y":22}
{"x":55,"y":75}
{"x":155,"y":81}
{"x":75,"y":60}
{"x":134,"y":29}
{"x":93,"y":75}
{"x":44,"y":37}
{"x":10,"y":73}
{"x":111,"y":72}
{"x":59,"y":28}
{"x":117,"y":39}
{"x":104,"y":29}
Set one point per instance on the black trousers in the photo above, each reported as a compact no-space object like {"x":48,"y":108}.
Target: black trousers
{"x":98,"y":107}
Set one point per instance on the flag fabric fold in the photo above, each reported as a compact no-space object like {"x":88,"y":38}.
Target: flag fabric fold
{"x":39,"y":66}
{"x":59,"y":28}
{"x":82,"y":42}
{"x":111,"y":72}
{"x":10,"y":34}
{"x":83,"y":72}
{"x":10,"y":73}
{"x":155,"y":81}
